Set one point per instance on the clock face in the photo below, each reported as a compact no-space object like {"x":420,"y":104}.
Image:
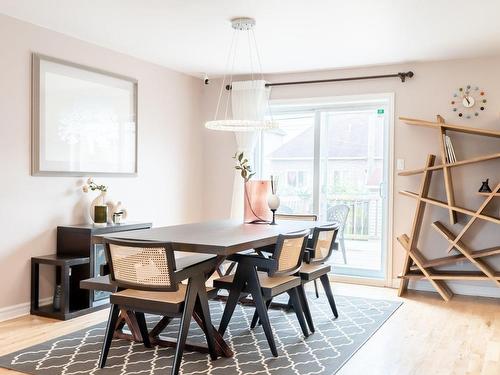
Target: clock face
{"x":468,"y":101}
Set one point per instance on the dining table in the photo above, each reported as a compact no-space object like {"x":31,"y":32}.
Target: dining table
{"x":220,"y":238}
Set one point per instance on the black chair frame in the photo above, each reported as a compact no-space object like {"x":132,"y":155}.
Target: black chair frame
{"x":196,"y":300}
{"x":246,"y":281}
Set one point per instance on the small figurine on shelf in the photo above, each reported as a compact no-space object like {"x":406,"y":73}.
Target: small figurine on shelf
{"x":273,"y":201}
{"x":485,"y":188}
{"x":118,"y":214}
{"x":56,"y":299}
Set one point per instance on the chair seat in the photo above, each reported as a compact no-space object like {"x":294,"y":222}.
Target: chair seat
{"x":271,"y":286}
{"x":154,"y":302}
{"x":313,"y":271}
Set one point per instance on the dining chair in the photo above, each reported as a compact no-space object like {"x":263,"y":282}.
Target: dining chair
{"x":265,"y":278}
{"x":148,"y":280}
{"x":305,"y":217}
{"x":339,"y":213}
{"x":285,"y":217}
{"x":315,"y":266}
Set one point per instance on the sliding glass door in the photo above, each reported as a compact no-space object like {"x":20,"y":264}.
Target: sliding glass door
{"x":332,"y":159}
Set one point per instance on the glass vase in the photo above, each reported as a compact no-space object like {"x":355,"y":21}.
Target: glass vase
{"x":99,"y":209}
{"x":256,"y":209}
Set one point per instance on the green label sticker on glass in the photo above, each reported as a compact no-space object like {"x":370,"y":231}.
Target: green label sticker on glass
{"x":380,"y":111}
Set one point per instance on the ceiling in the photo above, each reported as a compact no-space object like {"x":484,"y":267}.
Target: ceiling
{"x":193,"y":36}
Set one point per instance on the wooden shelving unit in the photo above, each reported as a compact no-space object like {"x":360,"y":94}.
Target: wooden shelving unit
{"x":416,"y":266}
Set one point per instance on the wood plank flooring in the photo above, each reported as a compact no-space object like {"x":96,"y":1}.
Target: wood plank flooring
{"x":425,"y":336}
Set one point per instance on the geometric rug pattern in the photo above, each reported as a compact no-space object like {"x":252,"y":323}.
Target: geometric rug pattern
{"x":324,"y":352}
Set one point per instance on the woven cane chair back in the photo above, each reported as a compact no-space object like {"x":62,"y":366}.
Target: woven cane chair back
{"x":323,"y":242}
{"x":142,"y":265}
{"x":289,"y":252}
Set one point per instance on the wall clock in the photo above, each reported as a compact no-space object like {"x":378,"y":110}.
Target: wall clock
{"x":468,"y":101}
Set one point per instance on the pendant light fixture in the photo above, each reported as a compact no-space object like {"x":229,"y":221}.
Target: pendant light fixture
{"x":253,"y":118}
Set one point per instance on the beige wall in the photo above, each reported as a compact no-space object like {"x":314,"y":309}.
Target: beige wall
{"x":427,"y":94}
{"x":166,"y":191}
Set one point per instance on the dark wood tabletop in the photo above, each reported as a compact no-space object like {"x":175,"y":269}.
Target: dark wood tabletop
{"x":222,"y":237}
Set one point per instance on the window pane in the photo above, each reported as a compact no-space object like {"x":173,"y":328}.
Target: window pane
{"x":289,"y":154}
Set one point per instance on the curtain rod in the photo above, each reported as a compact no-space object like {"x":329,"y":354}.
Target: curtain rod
{"x":401,"y":75}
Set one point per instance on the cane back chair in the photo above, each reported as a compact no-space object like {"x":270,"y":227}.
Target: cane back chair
{"x":265,"y":278}
{"x":148,"y":280}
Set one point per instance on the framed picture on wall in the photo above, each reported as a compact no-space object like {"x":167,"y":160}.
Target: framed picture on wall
{"x":84,"y":120}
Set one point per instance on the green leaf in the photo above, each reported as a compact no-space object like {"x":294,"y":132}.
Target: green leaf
{"x":240,"y":156}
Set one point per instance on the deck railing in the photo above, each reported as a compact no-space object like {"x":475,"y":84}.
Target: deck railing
{"x":364,"y":218}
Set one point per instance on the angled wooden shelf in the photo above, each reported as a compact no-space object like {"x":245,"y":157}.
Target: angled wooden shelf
{"x":439,"y":203}
{"x":411,"y":172}
{"x":486,"y":194}
{"x":456,"y":128}
{"x":456,"y":243}
{"x":452,"y":259}
{"x":416,"y":266}
{"x":450,"y":275}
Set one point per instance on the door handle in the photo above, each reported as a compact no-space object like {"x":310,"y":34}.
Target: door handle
{"x":381,"y":190}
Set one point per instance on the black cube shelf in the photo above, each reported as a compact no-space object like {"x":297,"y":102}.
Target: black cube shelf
{"x":78,"y":258}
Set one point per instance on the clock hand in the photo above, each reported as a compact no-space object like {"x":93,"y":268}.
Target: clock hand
{"x":468,"y":102}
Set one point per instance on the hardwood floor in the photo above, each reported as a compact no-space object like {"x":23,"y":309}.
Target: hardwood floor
{"x":425,"y":336}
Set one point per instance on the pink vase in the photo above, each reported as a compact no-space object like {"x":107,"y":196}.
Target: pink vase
{"x":256,"y":209}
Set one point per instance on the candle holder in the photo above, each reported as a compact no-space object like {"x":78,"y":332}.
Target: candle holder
{"x":273,"y":210}
{"x":100,"y":216}
{"x":273,"y":201}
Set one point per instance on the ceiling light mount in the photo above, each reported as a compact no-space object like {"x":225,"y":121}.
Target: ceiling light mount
{"x":243,"y":23}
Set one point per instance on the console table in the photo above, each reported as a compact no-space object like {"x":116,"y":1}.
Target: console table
{"x":78,"y":257}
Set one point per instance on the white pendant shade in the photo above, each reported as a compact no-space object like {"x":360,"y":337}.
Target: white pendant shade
{"x":245,"y":104}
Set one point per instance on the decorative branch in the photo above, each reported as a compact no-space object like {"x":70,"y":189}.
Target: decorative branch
{"x":91,"y":185}
{"x":243,"y":166}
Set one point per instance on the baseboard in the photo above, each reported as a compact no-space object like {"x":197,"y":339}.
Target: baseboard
{"x":356,"y":280}
{"x":457,"y":288}
{"x":15,"y":311}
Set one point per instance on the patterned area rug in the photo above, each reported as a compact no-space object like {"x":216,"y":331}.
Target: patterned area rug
{"x":324,"y":352}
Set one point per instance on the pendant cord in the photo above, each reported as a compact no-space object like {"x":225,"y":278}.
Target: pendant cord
{"x":262,"y":76}
{"x":231,"y":73}
{"x":224,"y":76}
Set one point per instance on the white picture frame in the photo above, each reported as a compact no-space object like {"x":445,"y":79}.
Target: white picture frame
{"x":84,"y":120}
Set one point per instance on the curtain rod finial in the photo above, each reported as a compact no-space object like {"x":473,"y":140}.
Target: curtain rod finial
{"x":405,"y":75}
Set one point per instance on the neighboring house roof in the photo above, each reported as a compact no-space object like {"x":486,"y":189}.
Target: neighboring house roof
{"x":345,"y":139}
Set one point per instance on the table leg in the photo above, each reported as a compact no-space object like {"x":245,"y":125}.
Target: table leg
{"x":128,"y":317}
{"x":160,"y":326}
{"x":237,"y":286}
{"x":221,"y":346}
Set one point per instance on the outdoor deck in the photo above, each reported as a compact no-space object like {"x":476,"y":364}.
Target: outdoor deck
{"x":364,"y":254}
